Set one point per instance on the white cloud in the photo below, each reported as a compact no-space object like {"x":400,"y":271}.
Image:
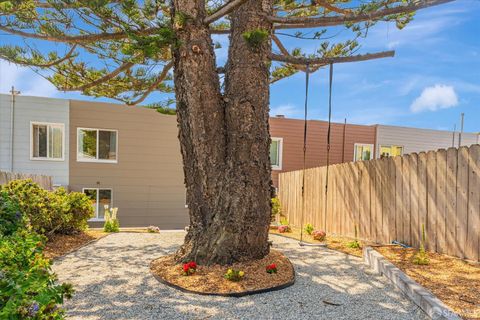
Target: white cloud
{"x":25,"y":80}
{"x":436,"y":97}
{"x":288,"y":110}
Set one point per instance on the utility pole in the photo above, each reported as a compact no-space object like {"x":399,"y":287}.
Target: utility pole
{"x":12,"y":126}
{"x":462,"y":116}
{"x":453,"y":135}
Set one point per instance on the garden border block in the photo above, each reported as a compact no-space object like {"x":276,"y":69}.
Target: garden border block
{"x":426,"y":300}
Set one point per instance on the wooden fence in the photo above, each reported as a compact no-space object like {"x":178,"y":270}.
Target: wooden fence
{"x":44,"y":181}
{"x":390,"y":199}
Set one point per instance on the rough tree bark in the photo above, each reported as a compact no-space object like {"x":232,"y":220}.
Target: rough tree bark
{"x":225,"y":137}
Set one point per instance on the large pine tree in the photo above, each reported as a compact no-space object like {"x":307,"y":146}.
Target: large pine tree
{"x":126,"y":50}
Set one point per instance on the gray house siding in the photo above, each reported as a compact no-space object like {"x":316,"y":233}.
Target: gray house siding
{"x":27,"y":110}
{"x":417,"y":140}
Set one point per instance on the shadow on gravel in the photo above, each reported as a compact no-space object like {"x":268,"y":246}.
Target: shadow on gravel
{"x":329,"y":285}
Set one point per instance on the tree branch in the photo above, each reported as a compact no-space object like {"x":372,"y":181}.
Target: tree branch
{"x":78,"y":38}
{"x":46,"y":5}
{"x":113,"y":74}
{"x":224,"y":10}
{"x":154,"y":85}
{"x":309,"y":22}
{"x":324,"y":61}
{"x":46,"y":65}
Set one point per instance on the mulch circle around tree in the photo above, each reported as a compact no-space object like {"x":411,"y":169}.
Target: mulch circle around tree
{"x":209,"y":280}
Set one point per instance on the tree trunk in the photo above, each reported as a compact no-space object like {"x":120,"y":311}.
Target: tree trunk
{"x":224,"y":138}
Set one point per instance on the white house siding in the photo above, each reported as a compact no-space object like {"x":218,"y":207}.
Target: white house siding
{"x":32,"y":109}
{"x":417,"y":140}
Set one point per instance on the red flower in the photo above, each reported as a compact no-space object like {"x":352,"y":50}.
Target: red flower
{"x":186,"y":267}
{"x":272,"y":268}
{"x":192,"y":265}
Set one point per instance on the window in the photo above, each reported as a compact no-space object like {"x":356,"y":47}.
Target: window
{"x":46,"y":141}
{"x":390,"y":151}
{"x":363,"y":151}
{"x":97,"y":145}
{"x":276,"y":153}
{"x":100,"y":198}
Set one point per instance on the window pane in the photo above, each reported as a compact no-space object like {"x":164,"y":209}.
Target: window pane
{"x":55,"y":142}
{"x":385,"y":152}
{"x":366,"y":153}
{"x":107,"y":145}
{"x":39,"y":141}
{"x":105,"y":198}
{"x":397,"y":151}
{"x":274,"y":153}
{"x":87,"y":144}
{"x":92,"y":195}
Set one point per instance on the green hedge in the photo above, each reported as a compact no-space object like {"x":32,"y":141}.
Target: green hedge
{"x":50,"y":212}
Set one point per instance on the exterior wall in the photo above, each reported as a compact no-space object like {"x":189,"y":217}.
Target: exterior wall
{"x":148,"y":181}
{"x":36,"y":109}
{"x":291,"y":130}
{"x":417,"y":140}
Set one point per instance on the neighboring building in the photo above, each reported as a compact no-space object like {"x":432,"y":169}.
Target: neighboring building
{"x":40,"y":145}
{"x":395,"y":141}
{"x":129,"y":157}
{"x":347,"y":143}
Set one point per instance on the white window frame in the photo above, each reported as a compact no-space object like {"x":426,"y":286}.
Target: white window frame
{"x":98,"y":202}
{"x":47,"y":158}
{"x":380,"y":146}
{"x":80,"y":159}
{"x":362,"y":145}
{"x":280,"y":153}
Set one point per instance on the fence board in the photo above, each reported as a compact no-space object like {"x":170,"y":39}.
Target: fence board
{"x":472,"y":247}
{"x":441,"y":201}
{"x":462,"y":202}
{"x":407,"y":238}
{"x":43,"y":181}
{"x":399,"y":203}
{"x":414,"y":217}
{"x":451,"y":198}
{"x":432,"y":214}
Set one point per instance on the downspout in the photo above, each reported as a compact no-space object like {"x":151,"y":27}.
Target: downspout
{"x":12,"y":126}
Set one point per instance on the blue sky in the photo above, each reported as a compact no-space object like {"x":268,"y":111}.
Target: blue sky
{"x":434,"y":76}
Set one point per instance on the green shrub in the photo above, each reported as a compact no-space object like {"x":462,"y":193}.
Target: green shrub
{"x":28,"y":288}
{"x":111,"y":221}
{"x":309,"y":228}
{"x":421,"y":257}
{"x":50,"y":212}
{"x":11,"y":219}
{"x":355,"y":244}
{"x":276,"y":207}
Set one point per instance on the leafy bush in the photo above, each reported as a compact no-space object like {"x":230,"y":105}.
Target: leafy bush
{"x":28,"y":288}
{"x":421,"y":257}
{"x":111,"y":222}
{"x":234,"y":275}
{"x":355,"y":244}
{"x":283,"y":229}
{"x":11,"y":219}
{"x":276,"y":207}
{"x":309,"y":228}
{"x":50,"y":212}
{"x":319,"y":235}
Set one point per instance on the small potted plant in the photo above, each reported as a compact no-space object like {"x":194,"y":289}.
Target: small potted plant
{"x":319,"y":235}
{"x":189,"y":268}
{"x":271,"y":268}
{"x":234,"y":275}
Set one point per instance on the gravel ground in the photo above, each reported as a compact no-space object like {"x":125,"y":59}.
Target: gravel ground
{"x":112,"y":281}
